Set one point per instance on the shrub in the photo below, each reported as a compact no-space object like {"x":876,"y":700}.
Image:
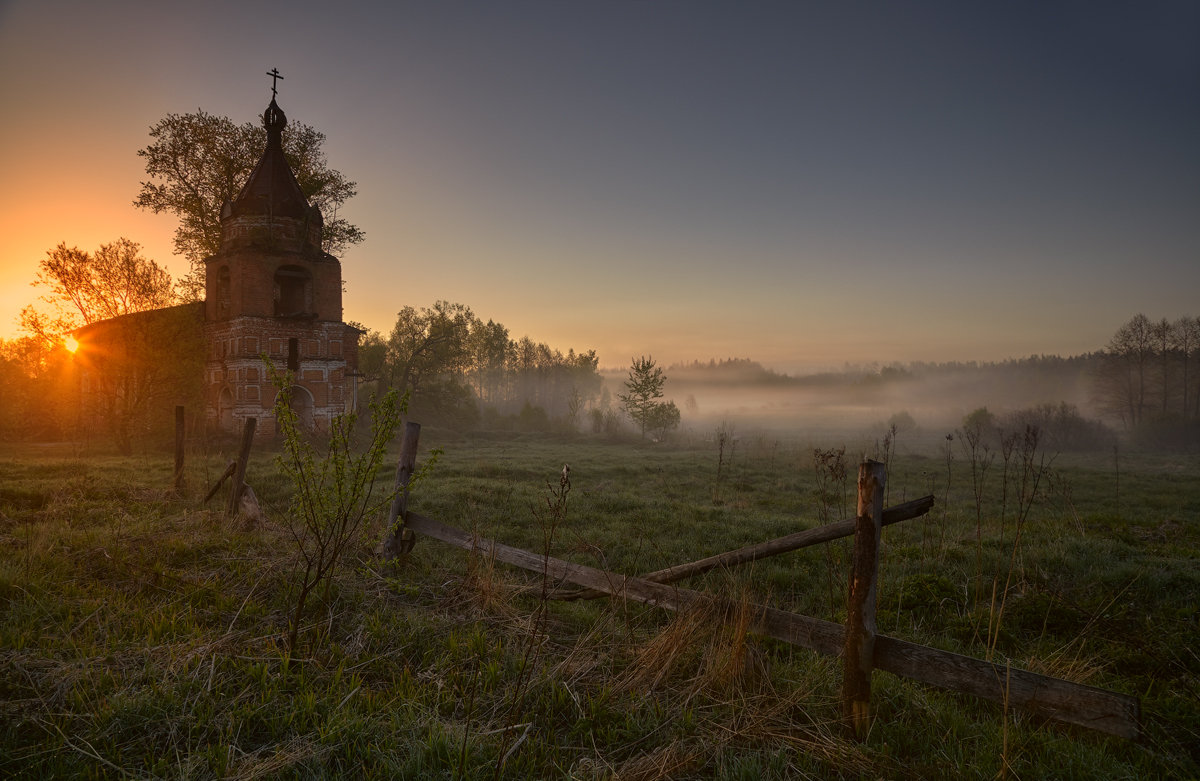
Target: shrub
{"x":1062,"y":427}
{"x":333,"y":493}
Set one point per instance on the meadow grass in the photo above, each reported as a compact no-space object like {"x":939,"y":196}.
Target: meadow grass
{"x":144,"y":635}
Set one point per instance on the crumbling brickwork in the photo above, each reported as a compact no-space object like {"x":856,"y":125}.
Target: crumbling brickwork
{"x":272,"y":292}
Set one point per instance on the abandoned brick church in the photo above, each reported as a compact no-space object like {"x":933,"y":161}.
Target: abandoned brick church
{"x":271,"y":290}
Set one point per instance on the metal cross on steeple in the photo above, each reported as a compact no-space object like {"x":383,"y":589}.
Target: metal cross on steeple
{"x":274,"y":74}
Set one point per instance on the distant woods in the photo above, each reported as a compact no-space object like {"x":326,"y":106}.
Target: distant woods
{"x":462,"y":371}
{"x":1147,"y":378}
{"x":1141,"y":388}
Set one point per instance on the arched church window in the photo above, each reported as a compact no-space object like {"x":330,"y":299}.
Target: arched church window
{"x":293,"y":291}
{"x":224,"y":296}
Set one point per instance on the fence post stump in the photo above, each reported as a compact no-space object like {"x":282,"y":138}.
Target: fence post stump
{"x":397,"y":538}
{"x":179,"y":440}
{"x":859,"y":651}
{"x":239,"y":474}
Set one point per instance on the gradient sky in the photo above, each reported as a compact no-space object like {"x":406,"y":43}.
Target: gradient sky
{"x":801,"y":183}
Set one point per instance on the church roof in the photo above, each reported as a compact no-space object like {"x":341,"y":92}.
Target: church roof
{"x":272,"y":187}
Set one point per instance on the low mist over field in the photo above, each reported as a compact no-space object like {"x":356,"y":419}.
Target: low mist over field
{"x":861,"y":400}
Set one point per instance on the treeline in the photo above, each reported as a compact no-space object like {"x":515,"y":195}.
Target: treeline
{"x":729,"y":371}
{"x":1145,"y":382}
{"x":1015,"y":382}
{"x":462,"y":371}
{"x":739,"y":371}
{"x":1147,"y":379}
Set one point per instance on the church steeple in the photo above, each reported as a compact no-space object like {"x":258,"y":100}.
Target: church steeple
{"x":272,"y":187}
{"x":271,"y":206}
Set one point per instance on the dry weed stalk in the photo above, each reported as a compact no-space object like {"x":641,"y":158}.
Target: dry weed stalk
{"x":971,"y":438}
{"x":551,"y":519}
{"x":830,"y":468}
{"x":1033,"y":466}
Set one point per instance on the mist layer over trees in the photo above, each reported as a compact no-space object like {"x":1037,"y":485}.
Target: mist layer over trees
{"x":1141,"y":390}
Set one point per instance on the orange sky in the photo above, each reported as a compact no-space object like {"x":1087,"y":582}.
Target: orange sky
{"x":802,"y":185}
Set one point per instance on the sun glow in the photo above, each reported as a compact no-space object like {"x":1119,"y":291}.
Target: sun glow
{"x":71,"y":343}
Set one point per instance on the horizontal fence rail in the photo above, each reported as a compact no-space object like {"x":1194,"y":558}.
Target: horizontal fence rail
{"x":1085,"y":706}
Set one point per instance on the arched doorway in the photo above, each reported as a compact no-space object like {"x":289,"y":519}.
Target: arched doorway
{"x":302,"y":404}
{"x":225,"y":420}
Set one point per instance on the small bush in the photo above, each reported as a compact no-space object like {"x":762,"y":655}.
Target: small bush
{"x":1062,"y":427}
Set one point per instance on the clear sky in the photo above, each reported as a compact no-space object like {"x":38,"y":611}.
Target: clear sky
{"x":801,"y":183}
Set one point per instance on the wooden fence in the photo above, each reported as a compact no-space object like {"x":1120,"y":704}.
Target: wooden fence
{"x":862,"y":648}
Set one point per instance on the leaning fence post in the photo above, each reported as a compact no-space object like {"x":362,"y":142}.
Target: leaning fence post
{"x":397,"y":539}
{"x":859,"y":649}
{"x":239,"y":475}
{"x":179,"y":441}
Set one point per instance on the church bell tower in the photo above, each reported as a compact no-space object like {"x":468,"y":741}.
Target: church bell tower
{"x":273,"y":291}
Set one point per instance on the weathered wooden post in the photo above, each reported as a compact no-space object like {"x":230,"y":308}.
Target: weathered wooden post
{"x":179,"y":437}
{"x":859,"y":651}
{"x":239,"y":474}
{"x":398,"y":538}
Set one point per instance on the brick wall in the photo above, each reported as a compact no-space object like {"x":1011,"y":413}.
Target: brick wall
{"x":235,"y":365}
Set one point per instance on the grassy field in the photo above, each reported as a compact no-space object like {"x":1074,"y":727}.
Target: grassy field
{"x":143,"y":635}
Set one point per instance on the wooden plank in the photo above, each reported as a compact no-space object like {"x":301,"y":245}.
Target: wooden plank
{"x":1073,"y":703}
{"x":858,"y":656}
{"x":802,"y":539}
{"x":228,"y":473}
{"x":1052,"y":698}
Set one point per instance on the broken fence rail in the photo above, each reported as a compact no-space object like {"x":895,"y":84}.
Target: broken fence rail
{"x":1052,"y":698}
{"x":802,"y":539}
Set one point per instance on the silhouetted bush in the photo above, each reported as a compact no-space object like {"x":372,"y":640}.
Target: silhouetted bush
{"x":1062,"y":427}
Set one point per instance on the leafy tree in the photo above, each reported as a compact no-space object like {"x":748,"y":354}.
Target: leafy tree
{"x":902,"y":422}
{"x":979,"y":425}
{"x":85,"y":288}
{"x":661,"y":418}
{"x":428,"y":342}
{"x":40,"y":394}
{"x":644,"y":387}
{"x":136,"y":351}
{"x":427,"y":355}
{"x":457,"y":366}
{"x":490,"y":354}
{"x":372,"y":353}
{"x":198,"y":161}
